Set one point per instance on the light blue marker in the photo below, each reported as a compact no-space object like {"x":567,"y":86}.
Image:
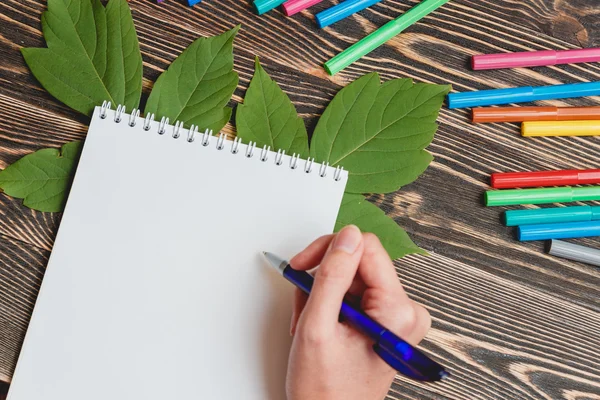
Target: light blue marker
{"x":567,"y":230}
{"x":341,"y":11}
{"x":522,"y":94}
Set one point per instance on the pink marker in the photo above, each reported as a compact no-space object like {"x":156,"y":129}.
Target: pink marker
{"x":292,"y":7}
{"x":534,"y":58}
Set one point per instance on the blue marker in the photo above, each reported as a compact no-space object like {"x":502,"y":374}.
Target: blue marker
{"x":193,"y":2}
{"x":396,"y":352}
{"x":341,"y":11}
{"x":522,"y":94}
{"x":566,"y":230}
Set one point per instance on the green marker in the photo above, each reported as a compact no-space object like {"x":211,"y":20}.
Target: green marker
{"x":262,"y":6}
{"x":541,"y":196}
{"x":381,"y":35}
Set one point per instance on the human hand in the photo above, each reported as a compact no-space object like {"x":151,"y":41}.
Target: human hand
{"x":330,"y":360}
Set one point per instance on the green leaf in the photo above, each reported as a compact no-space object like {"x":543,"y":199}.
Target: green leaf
{"x":368,"y":217}
{"x":93,"y":54}
{"x":268,"y":117}
{"x":198,"y":85}
{"x":42,"y":178}
{"x":378,"y":132}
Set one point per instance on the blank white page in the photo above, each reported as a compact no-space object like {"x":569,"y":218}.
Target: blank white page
{"x":156,"y":287}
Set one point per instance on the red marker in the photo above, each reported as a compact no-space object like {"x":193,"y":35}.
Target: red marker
{"x":513,"y":180}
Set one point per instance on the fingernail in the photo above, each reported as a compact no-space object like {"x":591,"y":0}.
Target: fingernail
{"x":348,"y":239}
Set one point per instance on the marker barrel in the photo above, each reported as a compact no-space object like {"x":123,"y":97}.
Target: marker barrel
{"x":522,"y":114}
{"x":567,"y":230}
{"x":534,"y":58}
{"x":513,"y":180}
{"x":560,"y":128}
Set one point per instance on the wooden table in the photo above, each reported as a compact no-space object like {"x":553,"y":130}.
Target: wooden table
{"x":509,"y":321}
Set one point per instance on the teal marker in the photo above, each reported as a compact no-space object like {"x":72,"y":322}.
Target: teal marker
{"x":552,"y":215}
{"x":262,"y":6}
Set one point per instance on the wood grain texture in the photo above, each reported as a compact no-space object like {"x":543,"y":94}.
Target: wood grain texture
{"x":509,"y":321}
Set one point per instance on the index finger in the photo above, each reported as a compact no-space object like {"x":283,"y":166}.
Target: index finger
{"x":376,"y":268}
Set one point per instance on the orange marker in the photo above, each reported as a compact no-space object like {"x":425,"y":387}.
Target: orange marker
{"x":521,"y":114}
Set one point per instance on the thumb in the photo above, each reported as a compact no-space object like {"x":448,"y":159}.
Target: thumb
{"x":333,"y":278}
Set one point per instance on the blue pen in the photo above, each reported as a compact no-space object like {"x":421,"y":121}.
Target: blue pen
{"x":400,"y":355}
{"x":522,"y":94}
{"x":565,"y":230}
{"x":341,"y":11}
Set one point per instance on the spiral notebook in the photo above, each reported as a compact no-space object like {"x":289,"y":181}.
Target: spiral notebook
{"x":156,"y":287}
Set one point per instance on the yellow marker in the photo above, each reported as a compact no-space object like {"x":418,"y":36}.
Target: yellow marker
{"x":560,"y":128}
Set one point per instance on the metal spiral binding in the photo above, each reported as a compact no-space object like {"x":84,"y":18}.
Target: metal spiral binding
{"x":207,"y":135}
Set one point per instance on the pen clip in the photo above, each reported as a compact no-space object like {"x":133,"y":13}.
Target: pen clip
{"x":399,"y":365}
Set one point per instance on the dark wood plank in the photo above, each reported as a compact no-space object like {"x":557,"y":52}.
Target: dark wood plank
{"x":509,"y":321}
{"x":21,"y":271}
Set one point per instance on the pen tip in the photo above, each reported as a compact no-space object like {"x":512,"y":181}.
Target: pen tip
{"x":444,"y":375}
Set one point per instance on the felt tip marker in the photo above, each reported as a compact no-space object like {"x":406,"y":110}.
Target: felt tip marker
{"x":513,"y":180}
{"x":552,"y":215}
{"x":574,"y":252}
{"x":341,"y":11}
{"x":292,"y":7}
{"x":541,"y":196}
{"x":522,"y":114}
{"x":263,"y":6}
{"x":534,"y":58}
{"x":565,"y":230}
{"x":560,"y":128}
{"x":522,"y":94}
{"x":381,"y":35}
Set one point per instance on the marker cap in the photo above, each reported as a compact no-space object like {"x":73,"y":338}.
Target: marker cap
{"x":511,"y":180}
{"x":566,"y":230}
{"x":550,"y":215}
{"x":561,"y":128}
